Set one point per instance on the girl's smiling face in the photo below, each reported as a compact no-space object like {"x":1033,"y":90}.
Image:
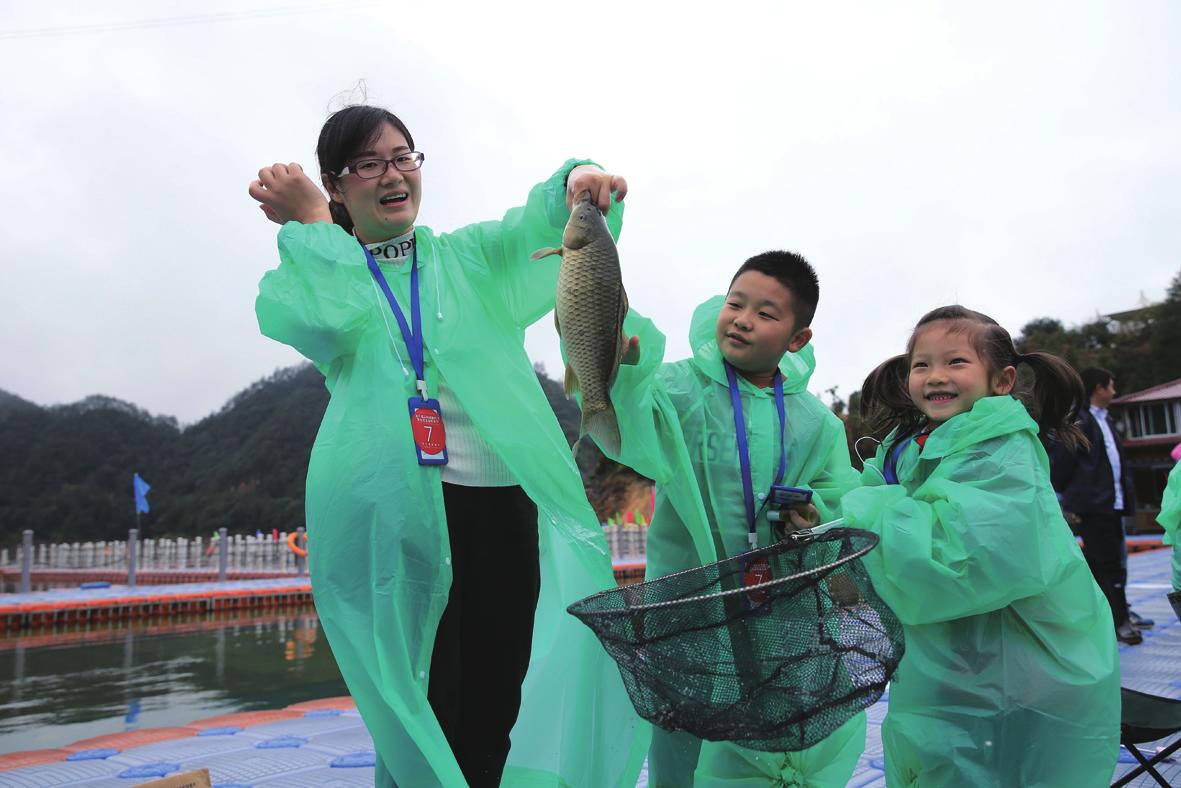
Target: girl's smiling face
{"x":947,"y":375}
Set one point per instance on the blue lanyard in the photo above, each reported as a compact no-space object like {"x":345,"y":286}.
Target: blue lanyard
{"x":744,"y":450}
{"x":412,"y":336}
{"x":890,"y":471}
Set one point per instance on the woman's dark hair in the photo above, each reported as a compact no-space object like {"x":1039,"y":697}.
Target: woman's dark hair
{"x":345,"y":133}
{"x":1054,"y":400}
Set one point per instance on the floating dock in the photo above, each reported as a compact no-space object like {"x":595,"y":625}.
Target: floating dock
{"x":40,"y":609}
{"x":325,"y":742}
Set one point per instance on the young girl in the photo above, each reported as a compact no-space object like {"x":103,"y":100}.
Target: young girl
{"x":1011,"y":674}
{"x":440,"y":478}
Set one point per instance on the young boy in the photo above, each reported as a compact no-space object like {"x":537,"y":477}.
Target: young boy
{"x":678,"y":427}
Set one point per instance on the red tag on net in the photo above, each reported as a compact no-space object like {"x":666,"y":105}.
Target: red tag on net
{"x":757,"y":571}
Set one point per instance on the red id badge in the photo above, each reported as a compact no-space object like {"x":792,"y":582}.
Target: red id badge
{"x":757,"y":572}
{"x":430,"y":438}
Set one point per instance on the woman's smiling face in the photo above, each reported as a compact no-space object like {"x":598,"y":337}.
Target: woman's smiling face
{"x":384,"y":207}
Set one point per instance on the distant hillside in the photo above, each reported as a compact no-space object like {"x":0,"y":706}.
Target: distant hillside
{"x":65,"y":471}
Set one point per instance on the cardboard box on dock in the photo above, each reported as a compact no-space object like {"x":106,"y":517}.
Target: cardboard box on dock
{"x":195,"y":779}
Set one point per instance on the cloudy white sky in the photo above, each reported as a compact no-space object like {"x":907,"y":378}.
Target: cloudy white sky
{"x":1021,"y":158}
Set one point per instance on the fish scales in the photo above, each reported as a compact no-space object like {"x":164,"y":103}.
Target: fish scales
{"x":589,"y":310}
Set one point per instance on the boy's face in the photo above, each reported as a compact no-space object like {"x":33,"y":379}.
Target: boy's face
{"x":757,"y":324}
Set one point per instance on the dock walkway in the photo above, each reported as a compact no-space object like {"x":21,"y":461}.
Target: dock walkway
{"x":325,"y":743}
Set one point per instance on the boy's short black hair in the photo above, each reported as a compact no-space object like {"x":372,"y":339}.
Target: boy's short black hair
{"x":793,"y":272}
{"x":1095,"y":378}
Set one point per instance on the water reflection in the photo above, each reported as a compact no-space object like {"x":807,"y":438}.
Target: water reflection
{"x":88,"y":680}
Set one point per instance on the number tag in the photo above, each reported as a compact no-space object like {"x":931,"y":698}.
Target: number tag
{"x":430,"y":437}
{"x":758,"y":571}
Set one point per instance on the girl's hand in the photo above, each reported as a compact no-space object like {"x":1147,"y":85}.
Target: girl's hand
{"x":587,"y":177}
{"x":286,"y":195}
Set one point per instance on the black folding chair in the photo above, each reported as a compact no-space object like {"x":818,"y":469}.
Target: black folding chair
{"x":1146,"y":718}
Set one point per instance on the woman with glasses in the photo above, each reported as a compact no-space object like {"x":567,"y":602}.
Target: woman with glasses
{"x":442,"y":497}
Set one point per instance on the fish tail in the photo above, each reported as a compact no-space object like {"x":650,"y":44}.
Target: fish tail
{"x":603,"y":426}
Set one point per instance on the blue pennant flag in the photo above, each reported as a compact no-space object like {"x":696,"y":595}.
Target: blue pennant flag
{"x":141,"y":494}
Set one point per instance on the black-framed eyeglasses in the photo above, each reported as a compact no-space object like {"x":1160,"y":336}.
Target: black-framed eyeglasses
{"x":375,"y":168}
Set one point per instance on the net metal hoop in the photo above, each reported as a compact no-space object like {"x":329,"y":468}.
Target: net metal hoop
{"x":798,"y":540}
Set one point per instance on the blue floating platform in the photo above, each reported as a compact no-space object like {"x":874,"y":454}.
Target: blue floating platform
{"x":331,"y":746}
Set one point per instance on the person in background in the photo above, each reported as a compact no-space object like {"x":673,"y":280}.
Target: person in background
{"x":1095,"y":490}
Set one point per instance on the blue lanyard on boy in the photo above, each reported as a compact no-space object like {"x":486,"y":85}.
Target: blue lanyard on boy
{"x":411,"y":335}
{"x":744,"y":451}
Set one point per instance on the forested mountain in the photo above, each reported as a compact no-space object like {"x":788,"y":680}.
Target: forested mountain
{"x":66,"y":471}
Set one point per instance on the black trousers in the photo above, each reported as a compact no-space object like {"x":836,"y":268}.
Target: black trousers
{"x":1103,"y":546}
{"x":486,"y":634}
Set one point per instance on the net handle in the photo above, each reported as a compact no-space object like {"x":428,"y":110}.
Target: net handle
{"x":816,"y":530}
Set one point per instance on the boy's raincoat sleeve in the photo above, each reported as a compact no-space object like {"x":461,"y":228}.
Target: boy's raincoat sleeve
{"x":529,"y":286}
{"x":965,"y":542}
{"x":319,"y":299}
{"x":649,"y":429}
{"x":836,"y":476}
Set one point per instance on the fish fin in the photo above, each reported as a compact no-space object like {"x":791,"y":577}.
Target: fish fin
{"x":546,"y":252}
{"x":571,"y":382}
{"x":603,"y":426}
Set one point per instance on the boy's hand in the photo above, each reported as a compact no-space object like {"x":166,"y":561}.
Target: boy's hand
{"x":631,"y":351}
{"x":800,"y":517}
{"x":587,"y":177}
{"x":286,"y":195}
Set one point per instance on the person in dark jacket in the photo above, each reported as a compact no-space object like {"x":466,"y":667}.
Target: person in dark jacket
{"x":1095,"y":489}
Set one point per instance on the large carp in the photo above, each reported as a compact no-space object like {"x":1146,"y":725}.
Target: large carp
{"x":589,"y":316}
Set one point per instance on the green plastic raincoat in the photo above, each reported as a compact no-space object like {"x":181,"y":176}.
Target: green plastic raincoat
{"x":677,"y":427}
{"x":1170,"y":520}
{"x":380,"y":556}
{"x":1011,"y":674}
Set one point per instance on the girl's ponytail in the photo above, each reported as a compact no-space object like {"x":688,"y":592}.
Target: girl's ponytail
{"x":1056,"y":399}
{"x":885,"y":399}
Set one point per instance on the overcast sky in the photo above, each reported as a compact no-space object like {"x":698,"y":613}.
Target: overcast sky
{"x":1020,"y":158}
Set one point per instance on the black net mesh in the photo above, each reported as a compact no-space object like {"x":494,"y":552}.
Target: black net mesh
{"x":775,"y":665}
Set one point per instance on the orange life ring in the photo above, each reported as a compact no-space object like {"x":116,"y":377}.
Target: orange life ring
{"x":299,"y":551}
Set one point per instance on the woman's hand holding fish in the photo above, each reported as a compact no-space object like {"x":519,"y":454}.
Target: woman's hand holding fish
{"x":287,"y":194}
{"x":587,"y":177}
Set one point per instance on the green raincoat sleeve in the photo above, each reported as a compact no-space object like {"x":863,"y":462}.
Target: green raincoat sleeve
{"x":1170,"y":519}
{"x":528,"y":287}
{"x":316,"y":259}
{"x":963,"y":543}
{"x":1009,"y":678}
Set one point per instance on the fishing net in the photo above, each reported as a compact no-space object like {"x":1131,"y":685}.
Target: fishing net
{"x":773,"y":649}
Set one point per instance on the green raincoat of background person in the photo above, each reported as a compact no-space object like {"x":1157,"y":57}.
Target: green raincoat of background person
{"x":1011,"y":674}
{"x":1170,"y":520}
{"x":677,"y":427}
{"x":379,"y":549}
